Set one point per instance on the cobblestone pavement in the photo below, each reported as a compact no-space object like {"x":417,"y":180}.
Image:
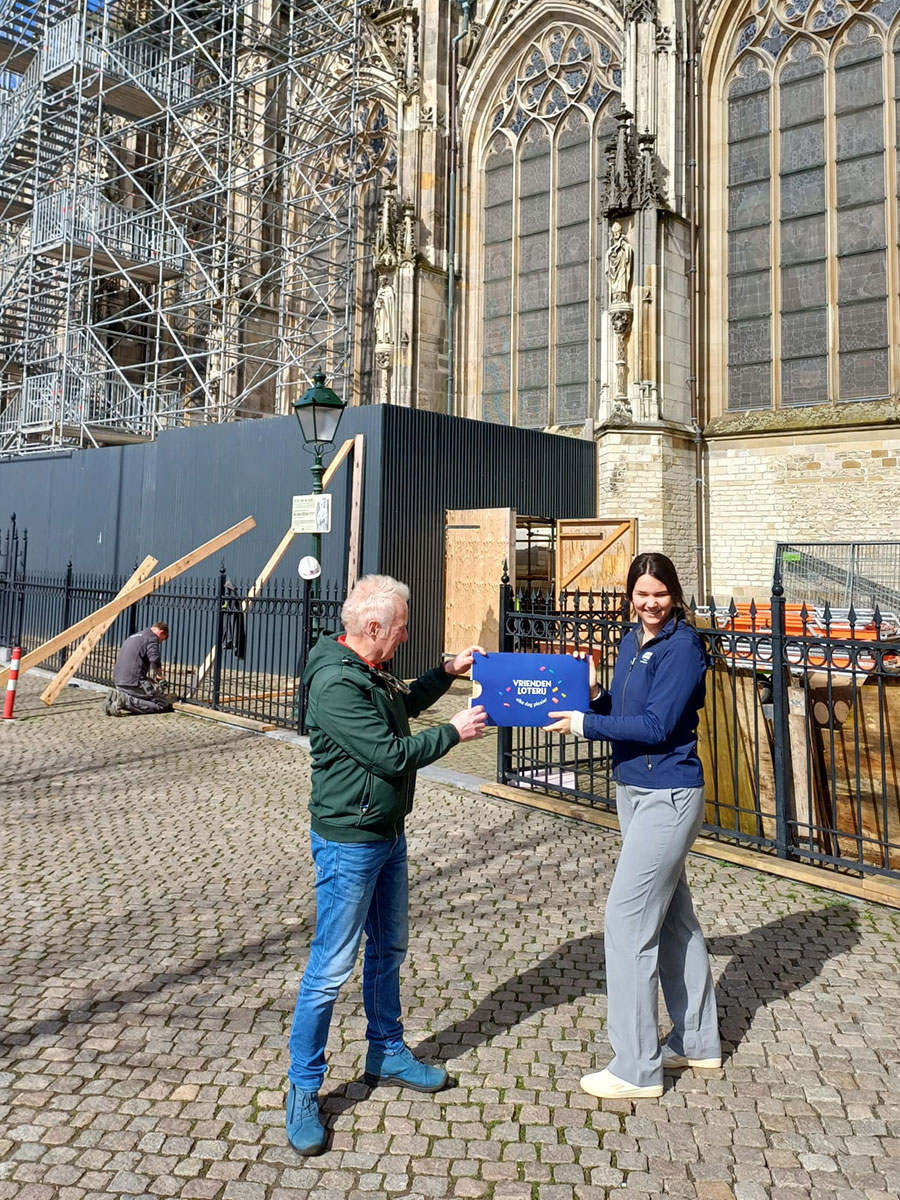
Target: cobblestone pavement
{"x":157,"y":901}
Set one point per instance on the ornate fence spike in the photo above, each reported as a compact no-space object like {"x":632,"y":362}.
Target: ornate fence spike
{"x":504,"y":578}
{"x":826,"y":613}
{"x":851,"y":617}
{"x":876,"y":620}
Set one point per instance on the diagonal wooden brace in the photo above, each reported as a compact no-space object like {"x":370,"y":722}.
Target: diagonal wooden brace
{"x":77,"y":657}
{"x":80,"y":628}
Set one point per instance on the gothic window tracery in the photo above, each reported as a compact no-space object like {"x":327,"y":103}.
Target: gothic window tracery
{"x":543,"y":283}
{"x":808,"y":98}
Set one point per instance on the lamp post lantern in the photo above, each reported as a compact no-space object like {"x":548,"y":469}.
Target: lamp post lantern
{"x":318,"y":413}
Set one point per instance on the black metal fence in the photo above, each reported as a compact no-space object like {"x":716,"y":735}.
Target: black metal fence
{"x":799,"y":737}
{"x":230,"y":649}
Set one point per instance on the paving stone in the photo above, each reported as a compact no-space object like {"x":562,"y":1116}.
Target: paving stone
{"x":144,"y":1050}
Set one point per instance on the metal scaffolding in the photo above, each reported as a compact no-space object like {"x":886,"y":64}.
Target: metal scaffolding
{"x":178,"y":212}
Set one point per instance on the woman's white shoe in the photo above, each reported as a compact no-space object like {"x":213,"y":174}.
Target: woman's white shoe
{"x":607,"y":1086}
{"x":673,"y":1061}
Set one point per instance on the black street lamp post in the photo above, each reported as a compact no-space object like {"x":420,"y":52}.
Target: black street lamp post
{"x":318,"y":412}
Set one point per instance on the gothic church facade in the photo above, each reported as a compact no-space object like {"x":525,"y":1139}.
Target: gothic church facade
{"x":672,"y":230}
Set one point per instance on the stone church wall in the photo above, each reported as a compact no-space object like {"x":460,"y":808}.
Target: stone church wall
{"x":827,"y":487}
{"x":650,"y":475}
{"x":675,"y":360}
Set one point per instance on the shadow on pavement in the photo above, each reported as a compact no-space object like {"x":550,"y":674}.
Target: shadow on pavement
{"x":774,"y":960}
{"x":764,"y":964}
{"x":132,"y":755}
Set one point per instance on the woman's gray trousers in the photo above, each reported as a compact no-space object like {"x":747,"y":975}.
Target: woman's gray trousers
{"x":652,"y":936}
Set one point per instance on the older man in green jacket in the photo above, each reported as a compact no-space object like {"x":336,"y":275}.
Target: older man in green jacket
{"x":363,"y":777}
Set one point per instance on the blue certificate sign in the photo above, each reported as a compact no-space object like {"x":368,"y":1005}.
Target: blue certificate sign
{"x":526,"y":689}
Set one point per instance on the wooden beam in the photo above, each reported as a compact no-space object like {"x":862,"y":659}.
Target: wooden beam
{"x":77,"y":657}
{"x":268,"y":570}
{"x":870,"y":887}
{"x":594,"y":554}
{"x":214,"y":714}
{"x":355,"y":510}
{"x":336,"y":462}
{"x":261,"y":580}
{"x":80,"y":628}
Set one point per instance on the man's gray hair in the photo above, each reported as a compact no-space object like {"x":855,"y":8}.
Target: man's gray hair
{"x":374,"y":598}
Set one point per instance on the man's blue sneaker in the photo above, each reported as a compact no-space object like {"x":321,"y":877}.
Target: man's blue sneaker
{"x":304,"y":1129}
{"x":404,"y":1070}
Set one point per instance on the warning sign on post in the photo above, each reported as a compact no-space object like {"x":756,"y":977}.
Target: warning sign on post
{"x":311,"y":514}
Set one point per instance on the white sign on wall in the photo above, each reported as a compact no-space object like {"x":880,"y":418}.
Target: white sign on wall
{"x":311,"y":514}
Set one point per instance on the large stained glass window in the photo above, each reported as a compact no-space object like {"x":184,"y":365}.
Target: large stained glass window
{"x":543,"y":167}
{"x":749,"y":240}
{"x":808,"y":102}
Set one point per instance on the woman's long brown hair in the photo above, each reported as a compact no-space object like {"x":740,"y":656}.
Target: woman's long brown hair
{"x":661,"y":568}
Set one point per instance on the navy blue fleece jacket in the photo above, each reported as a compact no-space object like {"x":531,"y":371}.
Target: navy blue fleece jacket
{"x":650,"y":714}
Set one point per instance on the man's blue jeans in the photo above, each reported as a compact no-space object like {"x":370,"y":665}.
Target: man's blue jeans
{"x":359,"y":886}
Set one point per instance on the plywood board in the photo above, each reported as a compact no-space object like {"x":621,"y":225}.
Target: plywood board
{"x":478,"y":541}
{"x":856,"y":732}
{"x":595,"y":554}
{"x":735,"y":747}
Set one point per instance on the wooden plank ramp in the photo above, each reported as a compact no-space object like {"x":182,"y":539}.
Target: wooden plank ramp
{"x":877,"y":889}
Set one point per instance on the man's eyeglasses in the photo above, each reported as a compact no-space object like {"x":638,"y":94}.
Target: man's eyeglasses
{"x":395,"y":684}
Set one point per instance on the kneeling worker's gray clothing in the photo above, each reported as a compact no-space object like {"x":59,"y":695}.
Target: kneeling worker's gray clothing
{"x":141,"y":701}
{"x":652,"y":936}
{"x":138,"y":656}
{"x":138,"y":694}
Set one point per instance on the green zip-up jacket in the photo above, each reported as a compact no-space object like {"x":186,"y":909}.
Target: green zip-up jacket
{"x":364,"y":758}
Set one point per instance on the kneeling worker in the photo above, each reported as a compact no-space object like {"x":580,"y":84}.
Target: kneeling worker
{"x":137,"y":676}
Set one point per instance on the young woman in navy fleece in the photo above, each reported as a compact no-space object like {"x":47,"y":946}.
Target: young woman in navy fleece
{"x":651,"y":934}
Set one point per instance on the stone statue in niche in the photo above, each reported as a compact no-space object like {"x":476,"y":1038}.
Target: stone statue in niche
{"x":619,"y":262}
{"x":384,"y":311}
{"x":407,"y":234}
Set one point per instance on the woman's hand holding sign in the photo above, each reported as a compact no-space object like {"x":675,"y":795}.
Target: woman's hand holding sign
{"x":562,"y":721}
